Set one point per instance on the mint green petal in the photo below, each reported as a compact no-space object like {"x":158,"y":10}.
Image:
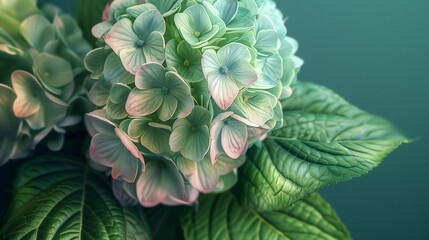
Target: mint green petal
{"x":185,"y":107}
{"x":271,"y":72}
{"x":177,"y":85}
{"x":54,"y":72}
{"x":205,"y":177}
{"x":150,"y":75}
{"x":160,"y":180}
{"x":94,"y":61}
{"x":29,"y":94}
{"x":37,"y":30}
{"x":199,"y":116}
{"x":197,"y":144}
{"x":107,"y":149}
{"x":166,"y":7}
{"x":223,"y":89}
{"x":185,"y":25}
{"x":114,"y":71}
{"x":121,"y":36}
{"x":99,"y":93}
{"x":267,"y":42}
{"x":200,"y":18}
{"x":100,"y":29}
{"x":118,"y":8}
{"x":233,"y":52}
{"x":186,"y":166}
{"x":210,"y":62}
{"x":97,"y":122}
{"x":256,"y":107}
{"x":167,"y":108}
{"x":227,"y":9}
{"x":241,"y":21}
{"x":115,"y":110}
{"x":147,"y":23}
{"x":143,"y":102}
{"x":243,"y":73}
{"x":135,"y":127}
{"x":172,"y":56}
{"x":155,"y":139}
{"x":137,"y":10}
{"x":132,"y":59}
{"x":178,"y":138}
{"x":119,"y":93}
{"x":234,"y":139}
{"x":154,"y":48}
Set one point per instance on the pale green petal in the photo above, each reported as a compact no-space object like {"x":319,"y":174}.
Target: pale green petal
{"x":160,"y":179}
{"x":132,"y":59}
{"x":147,"y":23}
{"x":114,"y":71}
{"x":100,"y":29}
{"x":118,"y":8}
{"x":116,"y":110}
{"x":94,"y":62}
{"x":233,"y":52}
{"x":119,"y":93}
{"x":166,"y":7}
{"x":167,"y":108}
{"x":9,"y":126}
{"x":199,"y":116}
{"x":37,"y":30}
{"x":243,"y":73}
{"x":256,"y":107}
{"x":143,"y":102}
{"x":187,"y":167}
{"x":205,"y":177}
{"x":97,"y":122}
{"x":137,"y":10}
{"x":29,"y":94}
{"x":178,"y":138}
{"x":241,"y":21}
{"x":197,"y":144}
{"x":234,"y":138}
{"x":210,"y":62}
{"x":154,"y":48}
{"x":271,"y":72}
{"x":135,"y":127}
{"x":54,"y":72}
{"x":150,"y":75}
{"x":223,"y":89}
{"x":227,"y":9}
{"x":155,"y":139}
{"x":99,"y":93}
{"x":267,"y":41}
{"x":121,"y":36}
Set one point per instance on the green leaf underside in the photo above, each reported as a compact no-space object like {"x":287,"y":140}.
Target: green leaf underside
{"x":221,"y":217}
{"x":324,"y":140}
{"x":59,"y":198}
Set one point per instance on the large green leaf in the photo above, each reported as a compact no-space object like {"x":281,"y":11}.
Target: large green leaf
{"x":88,"y":13}
{"x":57,"y":197}
{"x":324,"y":140}
{"x":222,"y":217}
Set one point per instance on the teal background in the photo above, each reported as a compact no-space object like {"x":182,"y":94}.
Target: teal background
{"x":375,"y":53}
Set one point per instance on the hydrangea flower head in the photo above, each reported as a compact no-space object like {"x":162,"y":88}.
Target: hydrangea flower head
{"x":43,"y":77}
{"x":186,"y":87}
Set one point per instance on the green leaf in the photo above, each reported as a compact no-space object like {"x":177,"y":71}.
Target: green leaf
{"x":221,"y":217}
{"x":324,"y":140}
{"x":89,"y":13}
{"x":57,"y":197}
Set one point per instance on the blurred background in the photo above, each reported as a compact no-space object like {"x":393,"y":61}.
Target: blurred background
{"x":376,"y":55}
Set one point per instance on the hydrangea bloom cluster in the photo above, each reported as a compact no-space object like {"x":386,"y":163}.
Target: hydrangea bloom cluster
{"x":185,"y":87}
{"x":42,"y":52}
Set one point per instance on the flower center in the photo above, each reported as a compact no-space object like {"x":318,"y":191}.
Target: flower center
{"x":224,"y":70}
{"x":139,"y":43}
{"x":186,"y":63}
{"x":165,"y":90}
{"x":197,"y":34}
